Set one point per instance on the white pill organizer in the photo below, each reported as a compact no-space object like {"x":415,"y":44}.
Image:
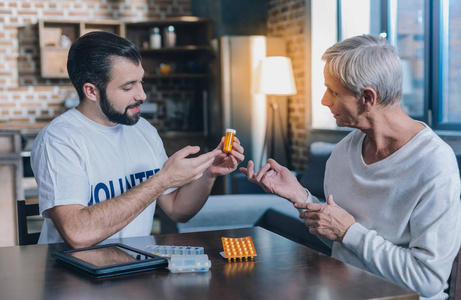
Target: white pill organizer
{"x":189,"y":263}
{"x":182,"y":259}
{"x":169,"y":251}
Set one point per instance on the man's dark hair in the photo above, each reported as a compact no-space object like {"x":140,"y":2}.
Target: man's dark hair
{"x":91,"y":56}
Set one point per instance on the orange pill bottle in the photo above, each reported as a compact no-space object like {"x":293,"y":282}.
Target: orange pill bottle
{"x":228,"y":140}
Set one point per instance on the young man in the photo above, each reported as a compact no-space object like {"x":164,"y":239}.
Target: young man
{"x":396,"y":210}
{"x":100,"y":166}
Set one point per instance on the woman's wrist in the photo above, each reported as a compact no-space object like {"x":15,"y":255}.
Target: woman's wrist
{"x":301,"y":196}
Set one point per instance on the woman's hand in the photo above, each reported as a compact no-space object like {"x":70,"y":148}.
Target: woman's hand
{"x":328,"y":220}
{"x":276,"y":179}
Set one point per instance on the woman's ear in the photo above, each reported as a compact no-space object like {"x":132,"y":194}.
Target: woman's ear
{"x":91,"y":92}
{"x":369,"y":98}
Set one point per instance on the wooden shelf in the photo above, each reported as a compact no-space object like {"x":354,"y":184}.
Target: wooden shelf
{"x":186,"y":48}
{"x":175,"y":75}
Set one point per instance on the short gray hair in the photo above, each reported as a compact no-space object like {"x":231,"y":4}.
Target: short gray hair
{"x":367,"y":61}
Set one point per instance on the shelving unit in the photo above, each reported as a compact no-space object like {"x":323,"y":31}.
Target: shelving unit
{"x":53,"y":51}
{"x":53,"y":56}
{"x":188,"y":58}
{"x":185,"y":65}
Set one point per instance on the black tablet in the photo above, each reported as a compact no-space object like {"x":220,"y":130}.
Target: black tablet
{"x":110,"y":260}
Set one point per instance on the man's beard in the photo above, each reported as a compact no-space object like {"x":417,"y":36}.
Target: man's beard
{"x":115,"y":116}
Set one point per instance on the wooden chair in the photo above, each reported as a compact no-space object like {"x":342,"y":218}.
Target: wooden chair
{"x":24,"y":211}
{"x":455,"y":279}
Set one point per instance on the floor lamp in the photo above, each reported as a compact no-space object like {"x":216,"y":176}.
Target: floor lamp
{"x":275,"y":78}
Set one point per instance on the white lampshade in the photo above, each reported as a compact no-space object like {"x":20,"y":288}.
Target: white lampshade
{"x":274,"y":76}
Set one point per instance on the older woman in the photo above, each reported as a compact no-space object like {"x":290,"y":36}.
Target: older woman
{"x":392,"y":186}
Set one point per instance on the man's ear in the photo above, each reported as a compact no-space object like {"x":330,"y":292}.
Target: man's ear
{"x":369,"y":98}
{"x":91,"y":92}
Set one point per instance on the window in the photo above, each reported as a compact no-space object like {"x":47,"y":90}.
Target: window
{"x":370,"y":21}
{"x":427,"y":35}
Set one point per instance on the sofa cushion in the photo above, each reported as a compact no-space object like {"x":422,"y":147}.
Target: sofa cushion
{"x":241,"y":184}
{"x":235,"y":211}
{"x":291,"y":228}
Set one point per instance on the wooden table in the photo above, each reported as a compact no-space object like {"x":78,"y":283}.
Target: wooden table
{"x":282,"y":270}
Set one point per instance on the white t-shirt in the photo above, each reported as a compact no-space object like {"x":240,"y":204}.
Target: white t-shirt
{"x":407,"y":208}
{"x":78,"y":161}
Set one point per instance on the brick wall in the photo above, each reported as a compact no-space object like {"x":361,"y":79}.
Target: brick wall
{"x":24,"y":95}
{"x":286,"y":18}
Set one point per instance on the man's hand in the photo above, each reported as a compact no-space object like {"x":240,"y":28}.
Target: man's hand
{"x":188,"y":199}
{"x":179,"y":170}
{"x":276,"y":179}
{"x":226,"y":163}
{"x":329,"y":220}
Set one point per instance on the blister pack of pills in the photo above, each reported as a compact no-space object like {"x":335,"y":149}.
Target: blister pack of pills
{"x":238,"y":248}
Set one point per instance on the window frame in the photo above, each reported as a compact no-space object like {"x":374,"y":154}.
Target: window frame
{"x":433,"y":63}
{"x":438,"y":36}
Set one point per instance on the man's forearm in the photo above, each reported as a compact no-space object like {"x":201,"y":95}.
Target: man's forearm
{"x":90,"y":225}
{"x":191,"y":198}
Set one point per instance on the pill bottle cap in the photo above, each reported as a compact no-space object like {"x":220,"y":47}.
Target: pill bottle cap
{"x":231,"y":130}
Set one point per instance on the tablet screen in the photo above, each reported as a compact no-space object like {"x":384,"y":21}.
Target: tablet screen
{"x":107,"y":256}
{"x":110,"y":260}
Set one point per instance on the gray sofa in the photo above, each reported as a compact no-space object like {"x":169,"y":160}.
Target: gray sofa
{"x":252,"y":207}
